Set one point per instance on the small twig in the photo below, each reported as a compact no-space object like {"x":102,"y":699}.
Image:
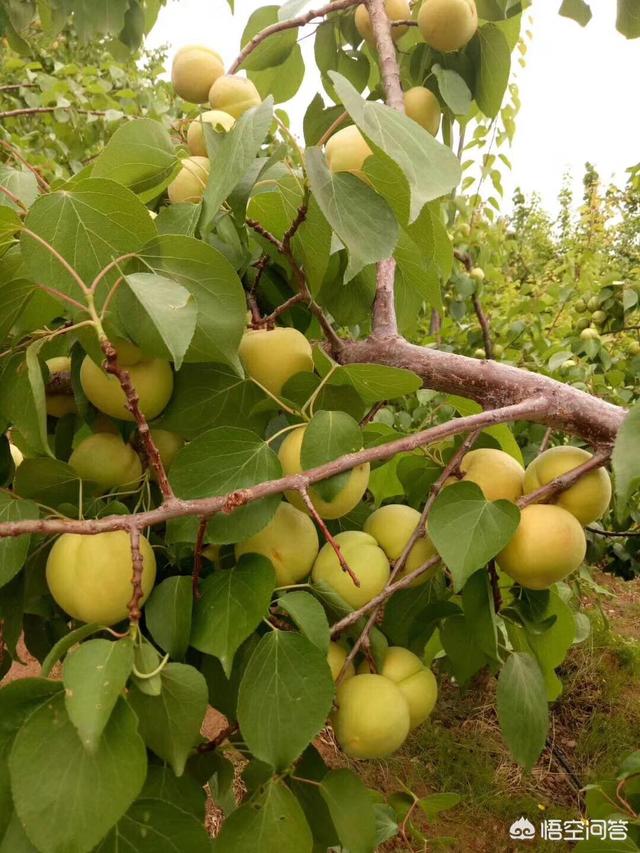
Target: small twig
{"x":110,"y":266}
{"x":281,"y":309}
{"x":292,"y":23}
{"x":545,"y":440}
{"x":133,"y":404}
{"x":300,"y":217}
{"x":613,"y":534}
{"x":219,"y":739}
{"x":14,"y":198}
{"x":136,"y":579}
{"x":58,"y":294}
{"x":18,"y":156}
{"x":304,"y":494}
{"x":484,"y":325}
{"x":197,"y":556}
{"x":373,"y":411}
{"x":25,"y":111}
{"x":495,"y":585}
{"x":565,"y":481}
{"x":326,"y":136}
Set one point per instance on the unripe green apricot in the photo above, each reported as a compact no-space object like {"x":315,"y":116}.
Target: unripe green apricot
{"x":479,"y":353}
{"x":234,"y":95}
{"x":397,"y":10}
{"x":588,"y":499}
{"x":336,"y":656}
{"x":477,"y":273}
{"x":581,"y":324}
{"x":594,"y":303}
{"x":90,"y":576}
{"x":589,"y":334}
{"x":498,"y":350}
{"x":190,"y":182}
{"x":346,"y":499}
{"x":347,"y":151}
{"x":633,"y":347}
{"x":152,"y":378}
{"x":272,"y":357}
{"x":421,"y":105}
{"x":548,"y":545}
{"x":364,"y":557}
{"x":59,"y":405}
{"x":392,"y":526}
{"x":498,"y":474}
{"x":106,"y":460}
{"x":417,"y":683}
{"x":599,"y":318}
{"x":169,"y":444}
{"x":447,"y":25}
{"x":219,"y":121}
{"x":194,"y":71}
{"x":580,"y":305}
{"x":568,"y":364}
{"x":289,"y":541}
{"x":372,"y":719}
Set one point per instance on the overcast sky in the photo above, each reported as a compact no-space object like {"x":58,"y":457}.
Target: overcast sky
{"x":579,"y":89}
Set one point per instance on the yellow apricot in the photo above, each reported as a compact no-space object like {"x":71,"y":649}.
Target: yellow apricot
{"x":169,"y":444}
{"x":417,"y":683}
{"x":90,"y":576}
{"x":272,"y":357}
{"x":588,"y":499}
{"x":548,"y":545}
{"x":498,"y":474}
{"x":447,"y":25}
{"x":397,"y":10}
{"x":421,"y":105}
{"x":191,"y":181}
{"x":289,"y":541}
{"x":152,"y":379}
{"x":194,"y":71}
{"x":234,"y":95}
{"x":336,"y":656}
{"x":366,"y":560}
{"x":372,"y":719}
{"x":106,"y":460}
{"x":347,"y":151}
{"x":392,"y":526}
{"x":195,"y":134}
{"x":347,"y":498}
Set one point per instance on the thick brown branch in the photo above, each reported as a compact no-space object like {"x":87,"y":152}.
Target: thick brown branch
{"x":313,"y":512}
{"x":494,"y":385}
{"x":292,"y":23}
{"x":385,"y":324}
{"x":533,"y":409}
{"x":133,"y":404}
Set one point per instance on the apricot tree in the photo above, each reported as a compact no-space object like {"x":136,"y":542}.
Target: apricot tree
{"x":205,"y":320}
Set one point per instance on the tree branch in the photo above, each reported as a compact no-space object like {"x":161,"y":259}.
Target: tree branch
{"x":136,"y":579}
{"x":25,"y":111}
{"x":304,"y":494}
{"x":177,"y":508}
{"x":466,"y":259}
{"x":565,"y":481}
{"x":292,"y":23}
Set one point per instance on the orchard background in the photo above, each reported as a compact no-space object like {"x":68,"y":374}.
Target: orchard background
{"x":263,"y":396}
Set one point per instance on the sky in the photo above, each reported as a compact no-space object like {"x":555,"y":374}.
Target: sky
{"x":578,"y":89}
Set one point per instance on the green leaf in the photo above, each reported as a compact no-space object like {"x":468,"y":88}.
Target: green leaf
{"x":430,"y":168}
{"x":272,"y":821}
{"x":577,"y":10}
{"x":328,"y":436}
{"x":222,"y":461}
{"x":67,"y":798}
{"x":210,"y":395}
{"x":236,"y":152}
{"x":312,"y":244}
{"x":628,"y":19}
{"x":19,"y":699}
{"x":100,"y":17}
{"x":65,"y":643}
{"x":94,"y":678}
{"x":376,"y":382}
{"x":309,"y":615}
{"x":22,"y":398}
{"x":501,"y":432}
{"x":156,"y":826}
{"x":453,"y":89}
{"x":282,"y":82}
{"x":179,"y":219}
{"x":21,"y":183}
{"x":459,"y":643}
{"x":168,"y":615}
{"x":523,"y":713}
{"x":216,"y":288}
{"x":272,"y":51}
{"x":48,"y":481}
{"x":185,"y":792}
{"x":361,"y":218}
{"x":351,"y":809}
{"x":625,"y":460}
{"x":170,"y":723}
{"x":232,"y":605}
{"x":494,"y":65}
{"x":89,"y":224}
{"x":141,"y":156}
{"x":285,"y":697}
{"x":477,"y":602}
{"x":159,"y":313}
{"x":433,"y":804}
{"x":14,"y":549}
{"x":468,"y":531}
